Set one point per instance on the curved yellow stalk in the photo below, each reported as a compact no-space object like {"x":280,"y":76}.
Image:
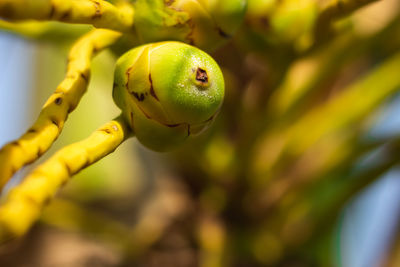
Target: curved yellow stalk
{"x":23,"y":204}
{"x":99,"y":13}
{"x":48,"y":126}
{"x":51,"y":31}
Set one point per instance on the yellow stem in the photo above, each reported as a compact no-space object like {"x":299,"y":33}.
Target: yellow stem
{"x":51,"y":31}
{"x":48,"y":126}
{"x":23,"y":205}
{"x":99,"y":13}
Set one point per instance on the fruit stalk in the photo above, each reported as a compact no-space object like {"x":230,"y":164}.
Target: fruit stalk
{"x":54,"y":113}
{"x":99,"y":13}
{"x":24,"y":203}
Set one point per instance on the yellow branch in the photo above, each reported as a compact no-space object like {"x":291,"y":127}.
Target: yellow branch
{"x":24,"y":203}
{"x":99,"y":13}
{"x":48,"y":126}
{"x":51,"y":31}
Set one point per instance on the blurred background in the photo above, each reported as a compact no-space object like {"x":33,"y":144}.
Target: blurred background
{"x":299,"y":168}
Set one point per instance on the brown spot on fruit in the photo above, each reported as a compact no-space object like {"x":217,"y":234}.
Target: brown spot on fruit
{"x":55,"y":122}
{"x":97,"y":7}
{"x":84,"y":77}
{"x":58,"y":101}
{"x":106,"y":130}
{"x":138,"y":96}
{"x":201,"y":76}
{"x":14,"y":143}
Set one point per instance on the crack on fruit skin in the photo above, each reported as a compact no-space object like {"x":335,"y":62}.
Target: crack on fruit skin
{"x":152,"y":92}
{"x":210,"y":119}
{"x":144,"y":113}
{"x":139,"y":96}
{"x":172,"y":125}
{"x":128,"y":74}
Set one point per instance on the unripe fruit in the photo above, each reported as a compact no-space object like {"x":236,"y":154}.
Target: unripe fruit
{"x":167,"y":91}
{"x":206,"y":24}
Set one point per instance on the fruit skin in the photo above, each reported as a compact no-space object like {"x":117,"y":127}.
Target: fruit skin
{"x":167,"y":91}
{"x":206,"y":24}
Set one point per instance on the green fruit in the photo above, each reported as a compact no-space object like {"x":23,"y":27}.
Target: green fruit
{"x":206,"y":24}
{"x":167,"y":91}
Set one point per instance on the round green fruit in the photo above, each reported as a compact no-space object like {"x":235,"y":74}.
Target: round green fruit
{"x":167,"y":91}
{"x":206,"y":24}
